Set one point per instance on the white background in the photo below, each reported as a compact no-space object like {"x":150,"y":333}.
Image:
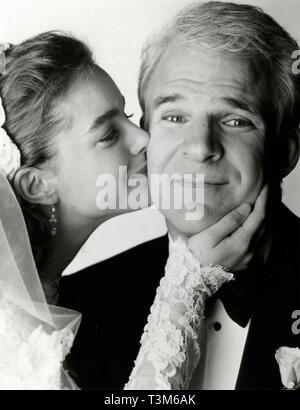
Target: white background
{"x":116,"y":31}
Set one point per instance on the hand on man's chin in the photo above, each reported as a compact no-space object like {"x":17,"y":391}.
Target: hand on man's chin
{"x":190,"y":223}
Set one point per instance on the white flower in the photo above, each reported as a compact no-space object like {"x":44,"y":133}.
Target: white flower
{"x":10,"y":158}
{"x":288,"y":359}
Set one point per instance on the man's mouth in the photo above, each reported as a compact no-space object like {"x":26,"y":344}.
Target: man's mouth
{"x":215,"y":182}
{"x":196,"y":180}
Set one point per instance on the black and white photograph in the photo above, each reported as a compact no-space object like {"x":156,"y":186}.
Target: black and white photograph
{"x":149,"y":197}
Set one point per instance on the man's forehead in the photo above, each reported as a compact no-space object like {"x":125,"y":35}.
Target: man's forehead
{"x":183,"y":71}
{"x":180,"y":58}
{"x":242,"y":101}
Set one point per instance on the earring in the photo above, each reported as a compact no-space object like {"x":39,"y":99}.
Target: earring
{"x":53,"y":221}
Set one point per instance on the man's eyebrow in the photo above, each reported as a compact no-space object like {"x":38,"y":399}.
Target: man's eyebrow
{"x":243,"y":106}
{"x":163,"y":99}
{"x":102,"y":119}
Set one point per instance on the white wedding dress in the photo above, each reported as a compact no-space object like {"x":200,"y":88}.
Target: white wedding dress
{"x":31,"y":353}
{"x":169,"y":349}
{"x":34,"y":337}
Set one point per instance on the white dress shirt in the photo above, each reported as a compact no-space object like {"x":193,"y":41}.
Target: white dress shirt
{"x":116,"y":235}
{"x":222,"y":344}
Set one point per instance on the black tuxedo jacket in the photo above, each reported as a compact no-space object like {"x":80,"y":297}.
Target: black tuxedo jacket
{"x":115,"y":296}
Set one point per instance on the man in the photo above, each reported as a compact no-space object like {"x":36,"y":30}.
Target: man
{"x":219,"y":99}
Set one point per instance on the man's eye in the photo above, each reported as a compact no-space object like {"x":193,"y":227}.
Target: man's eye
{"x":238,"y":122}
{"x":174,"y":118}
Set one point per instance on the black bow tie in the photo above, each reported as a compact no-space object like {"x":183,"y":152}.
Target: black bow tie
{"x":238,"y":296}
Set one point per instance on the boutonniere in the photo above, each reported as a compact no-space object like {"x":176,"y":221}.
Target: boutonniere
{"x":288,"y":359}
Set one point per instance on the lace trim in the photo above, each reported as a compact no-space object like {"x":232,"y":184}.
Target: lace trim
{"x":30,"y":356}
{"x":169,"y":349}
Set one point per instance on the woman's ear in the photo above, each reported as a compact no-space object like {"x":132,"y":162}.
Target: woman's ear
{"x":292,"y":151}
{"x":36,"y":186}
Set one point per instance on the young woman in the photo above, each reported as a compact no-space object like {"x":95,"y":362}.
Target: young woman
{"x":67,"y":118}
{"x":66,"y":122}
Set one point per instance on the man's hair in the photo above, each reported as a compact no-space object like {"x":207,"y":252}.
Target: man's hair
{"x":245,"y":31}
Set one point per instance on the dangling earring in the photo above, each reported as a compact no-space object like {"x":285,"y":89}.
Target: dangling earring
{"x":53,"y":221}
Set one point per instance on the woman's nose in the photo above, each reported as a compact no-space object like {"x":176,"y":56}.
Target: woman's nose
{"x":138,"y":140}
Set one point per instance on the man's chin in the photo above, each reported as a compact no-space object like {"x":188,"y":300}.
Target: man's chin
{"x":190,"y":223}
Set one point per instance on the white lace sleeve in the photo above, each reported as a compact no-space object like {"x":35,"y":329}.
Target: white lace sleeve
{"x":169,"y":349}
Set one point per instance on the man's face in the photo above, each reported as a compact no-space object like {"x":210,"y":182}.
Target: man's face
{"x":204,"y":117}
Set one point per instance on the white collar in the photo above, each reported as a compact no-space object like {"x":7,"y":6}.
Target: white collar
{"x":117,"y":235}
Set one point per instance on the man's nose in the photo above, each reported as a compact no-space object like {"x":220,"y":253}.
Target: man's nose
{"x":137,"y":139}
{"x":201,"y":143}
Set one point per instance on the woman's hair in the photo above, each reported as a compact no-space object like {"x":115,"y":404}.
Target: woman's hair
{"x":248,"y":33}
{"x":39,"y":73}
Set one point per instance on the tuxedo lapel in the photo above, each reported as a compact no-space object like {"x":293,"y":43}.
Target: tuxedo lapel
{"x":278,"y":296}
{"x":114,"y":297}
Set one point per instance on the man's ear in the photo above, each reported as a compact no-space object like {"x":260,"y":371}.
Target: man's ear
{"x":36,"y":186}
{"x":292,"y":152}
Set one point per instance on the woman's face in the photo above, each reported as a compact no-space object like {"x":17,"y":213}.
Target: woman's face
{"x":98,"y":140}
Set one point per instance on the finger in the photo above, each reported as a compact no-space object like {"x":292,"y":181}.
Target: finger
{"x":256,"y":218}
{"x":242,"y":241}
{"x":260,"y":233}
{"x":228,"y":224}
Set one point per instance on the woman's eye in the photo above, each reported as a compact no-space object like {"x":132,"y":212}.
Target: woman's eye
{"x":110,"y":137}
{"x":174,"y":118}
{"x":238,"y":122}
{"x":129,"y":116}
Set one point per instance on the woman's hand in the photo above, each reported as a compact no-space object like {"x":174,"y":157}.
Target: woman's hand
{"x":230,"y":242}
